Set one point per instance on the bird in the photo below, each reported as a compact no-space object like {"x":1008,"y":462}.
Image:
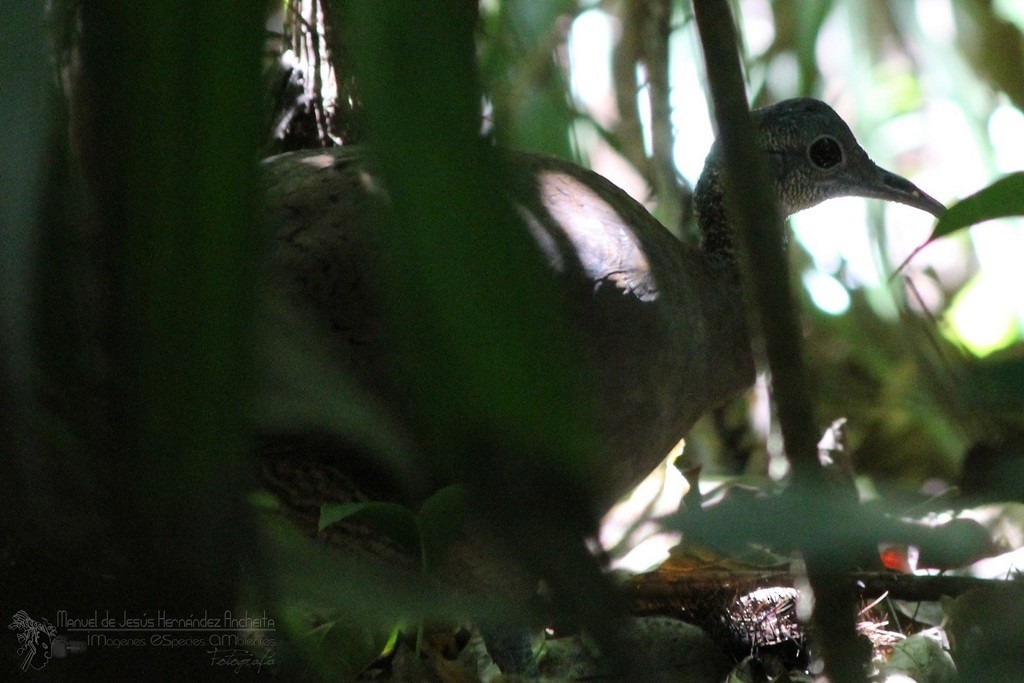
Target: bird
{"x":661,"y":322}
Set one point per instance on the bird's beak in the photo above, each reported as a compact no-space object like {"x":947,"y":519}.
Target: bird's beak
{"x":881,"y":184}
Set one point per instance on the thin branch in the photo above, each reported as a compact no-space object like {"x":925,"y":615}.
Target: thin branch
{"x":626,"y":56}
{"x":656,"y":58}
{"x":756,"y":218}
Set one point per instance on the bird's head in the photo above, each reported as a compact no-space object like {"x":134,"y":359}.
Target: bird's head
{"x":813,"y":156}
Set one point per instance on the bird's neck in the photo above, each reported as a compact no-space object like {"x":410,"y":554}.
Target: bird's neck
{"x":716,"y":236}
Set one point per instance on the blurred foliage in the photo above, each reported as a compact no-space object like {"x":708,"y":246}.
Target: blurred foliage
{"x":23,"y":138}
{"x":425,"y":535}
{"x":915,"y":400}
{"x":126,"y":354}
{"x":900,"y":402}
{"x":524,"y":65}
{"x":139,"y":301}
{"x":1003,"y":198}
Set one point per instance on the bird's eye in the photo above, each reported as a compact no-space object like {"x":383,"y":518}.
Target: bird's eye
{"x":825,"y":152}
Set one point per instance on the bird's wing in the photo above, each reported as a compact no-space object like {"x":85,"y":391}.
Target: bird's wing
{"x":577,"y":227}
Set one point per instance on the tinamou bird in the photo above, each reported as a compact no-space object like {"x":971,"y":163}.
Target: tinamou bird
{"x":661,"y":323}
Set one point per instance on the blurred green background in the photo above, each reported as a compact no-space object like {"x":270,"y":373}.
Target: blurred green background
{"x":131,"y":236}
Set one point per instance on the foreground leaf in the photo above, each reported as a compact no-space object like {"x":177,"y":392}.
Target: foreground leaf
{"x":395,"y":521}
{"x":1003,"y":198}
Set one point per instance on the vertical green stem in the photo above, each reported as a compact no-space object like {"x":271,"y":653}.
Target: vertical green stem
{"x":175,"y":116}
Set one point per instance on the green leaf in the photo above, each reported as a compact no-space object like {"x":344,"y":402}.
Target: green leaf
{"x":395,"y":521}
{"x":337,"y":648}
{"x":366,"y":589}
{"x":343,"y":648}
{"x":440,"y":521}
{"x":1004,"y":197}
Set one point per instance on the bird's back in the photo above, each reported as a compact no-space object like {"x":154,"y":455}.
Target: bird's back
{"x":660,"y":328}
